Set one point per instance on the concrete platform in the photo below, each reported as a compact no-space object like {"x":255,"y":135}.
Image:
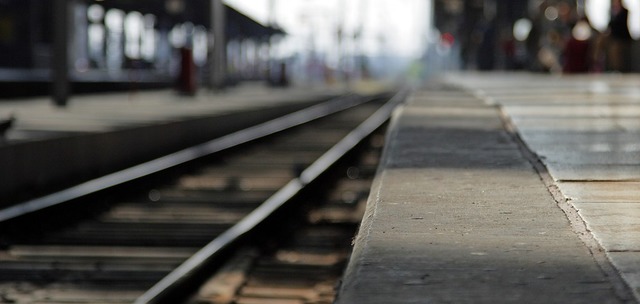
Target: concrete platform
{"x":463,"y":211}
{"x":98,"y":134}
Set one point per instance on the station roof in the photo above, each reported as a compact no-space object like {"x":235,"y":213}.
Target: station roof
{"x":239,"y":25}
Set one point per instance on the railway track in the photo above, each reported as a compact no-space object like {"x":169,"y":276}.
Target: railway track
{"x":147,"y":237}
{"x":303,"y":260}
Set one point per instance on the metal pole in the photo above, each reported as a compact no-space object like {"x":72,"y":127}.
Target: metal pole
{"x":360,"y":61}
{"x":218,"y":62}
{"x":270,"y":52}
{"x":60,"y":58}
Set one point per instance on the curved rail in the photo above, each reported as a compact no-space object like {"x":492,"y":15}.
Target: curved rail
{"x":145,"y":169}
{"x":175,"y":280}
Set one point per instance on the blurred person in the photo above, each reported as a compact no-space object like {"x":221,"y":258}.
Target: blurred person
{"x":509,"y":49}
{"x":577,"y":53}
{"x":550,"y":52}
{"x":618,"y":44}
{"x":552,"y":28}
{"x":534,"y":41}
{"x":487,"y":48}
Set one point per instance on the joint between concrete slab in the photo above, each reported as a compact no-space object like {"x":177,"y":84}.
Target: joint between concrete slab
{"x":622,"y":289}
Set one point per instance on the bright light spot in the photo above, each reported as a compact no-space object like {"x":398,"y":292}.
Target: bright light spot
{"x":96,"y":40}
{"x":521,"y":29}
{"x":628,"y":3}
{"x":581,"y":31}
{"x":634,"y":17}
{"x":180,"y":33}
{"x":598,"y":13}
{"x":149,"y":38}
{"x":177,"y":36}
{"x":200,"y":44}
{"x":551,"y":13}
{"x":133,"y":28}
{"x":95,"y":13}
{"x":114,"y":19}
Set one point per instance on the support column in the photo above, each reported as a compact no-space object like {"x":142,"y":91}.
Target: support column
{"x":60,"y":57}
{"x":218,"y":62}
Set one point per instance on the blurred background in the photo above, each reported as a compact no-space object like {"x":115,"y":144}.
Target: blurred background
{"x":127,"y":44}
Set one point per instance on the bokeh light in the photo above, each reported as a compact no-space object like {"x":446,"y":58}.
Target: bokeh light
{"x":521,"y":29}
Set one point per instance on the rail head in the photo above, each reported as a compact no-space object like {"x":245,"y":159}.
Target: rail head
{"x":164,"y":290}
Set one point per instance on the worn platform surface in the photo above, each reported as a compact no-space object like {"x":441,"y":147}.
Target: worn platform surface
{"x":97,"y":134}
{"x":506,"y":188}
{"x":37,"y":118}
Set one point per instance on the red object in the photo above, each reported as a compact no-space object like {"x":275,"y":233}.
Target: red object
{"x":447,"y":39}
{"x":576,"y":56}
{"x":187,"y":79}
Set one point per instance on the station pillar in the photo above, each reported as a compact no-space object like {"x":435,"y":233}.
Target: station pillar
{"x":218,"y":60}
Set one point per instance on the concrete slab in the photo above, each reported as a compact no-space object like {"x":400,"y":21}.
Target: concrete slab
{"x":458,"y":215}
{"x":596,"y":192}
{"x":589,"y":141}
{"x":585,"y":130}
{"x":591,"y":157}
{"x":118,"y":111}
{"x":446,"y":98}
{"x":612,"y":110}
{"x":575,"y":124}
{"x":527,"y":84}
{"x":564,"y":172}
{"x":615,"y":225}
{"x":566,"y":98}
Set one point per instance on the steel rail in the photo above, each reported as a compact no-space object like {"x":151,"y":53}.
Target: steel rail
{"x":175,"y":280}
{"x":159,"y":164}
